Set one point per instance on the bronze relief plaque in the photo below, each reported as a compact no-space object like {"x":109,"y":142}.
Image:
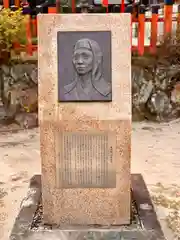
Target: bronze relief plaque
{"x":84,"y":66}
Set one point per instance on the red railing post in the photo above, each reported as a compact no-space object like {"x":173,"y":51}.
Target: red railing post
{"x":34,"y":26}
{"x":6,"y":3}
{"x":154,"y":29}
{"x":52,"y":10}
{"x":129,"y":9}
{"x":168,"y":11}
{"x":58,"y":6}
{"x":17,"y":3}
{"x":105,"y":4}
{"x":141,"y":29}
{"x":122,"y":6}
{"x":178,"y":19}
{"x":73,"y":6}
{"x":29,"y":47}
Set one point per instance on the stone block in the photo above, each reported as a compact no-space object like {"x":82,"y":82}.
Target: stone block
{"x":85,"y":138}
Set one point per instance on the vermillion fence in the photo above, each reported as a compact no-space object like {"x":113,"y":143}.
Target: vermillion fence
{"x":141,"y":21}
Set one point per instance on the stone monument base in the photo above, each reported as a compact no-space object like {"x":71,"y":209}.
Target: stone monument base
{"x":144,"y":224}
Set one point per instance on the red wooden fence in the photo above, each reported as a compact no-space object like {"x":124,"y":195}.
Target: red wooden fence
{"x":168,"y":19}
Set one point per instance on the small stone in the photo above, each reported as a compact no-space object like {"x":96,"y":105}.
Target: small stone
{"x":15,"y":178}
{"x":18,"y":176}
{"x":145,"y":92}
{"x":27,"y":120}
{"x":2,"y":193}
{"x":175,"y":94}
{"x":159,"y":104}
{"x":146,"y":206}
{"x":6,"y":69}
{"x":34,"y":75}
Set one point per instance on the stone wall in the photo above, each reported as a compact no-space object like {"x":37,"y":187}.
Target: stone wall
{"x":19,"y":93}
{"x":156,"y":95}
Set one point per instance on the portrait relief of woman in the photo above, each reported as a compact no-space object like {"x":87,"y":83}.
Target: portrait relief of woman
{"x":88,"y":83}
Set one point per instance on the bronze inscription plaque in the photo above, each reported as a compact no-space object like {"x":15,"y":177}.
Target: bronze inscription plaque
{"x":86,"y":160}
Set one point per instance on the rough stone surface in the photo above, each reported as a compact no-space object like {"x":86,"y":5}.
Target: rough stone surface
{"x":155,"y":95}
{"x":18,"y":93}
{"x":89,"y":205}
{"x":175,"y":95}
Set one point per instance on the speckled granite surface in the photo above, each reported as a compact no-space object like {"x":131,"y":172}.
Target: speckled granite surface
{"x":105,"y":206}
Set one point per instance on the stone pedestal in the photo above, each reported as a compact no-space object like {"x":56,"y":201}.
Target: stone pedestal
{"x":85,"y":145}
{"x":144,"y":224}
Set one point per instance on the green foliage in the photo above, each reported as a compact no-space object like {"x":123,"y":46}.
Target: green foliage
{"x":12,"y":28}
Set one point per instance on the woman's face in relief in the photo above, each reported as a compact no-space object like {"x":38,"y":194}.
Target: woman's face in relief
{"x":83,"y":61}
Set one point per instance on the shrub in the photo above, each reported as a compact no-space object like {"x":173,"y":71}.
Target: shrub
{"x":12,"y":29}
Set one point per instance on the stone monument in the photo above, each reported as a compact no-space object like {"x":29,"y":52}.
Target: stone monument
{"x":85,"y":118}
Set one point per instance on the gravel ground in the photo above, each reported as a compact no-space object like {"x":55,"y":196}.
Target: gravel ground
{"x":155,"y":154}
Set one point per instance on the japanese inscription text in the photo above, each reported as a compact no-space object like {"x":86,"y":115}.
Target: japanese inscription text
{"x":86,"y":160}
